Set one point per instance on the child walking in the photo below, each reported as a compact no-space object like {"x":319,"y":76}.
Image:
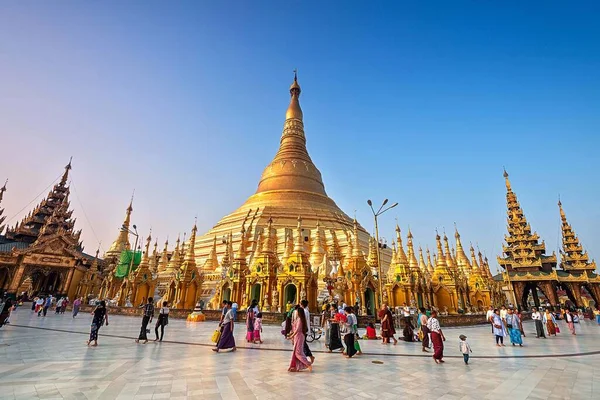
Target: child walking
{"x":258,"y":328}
{"x":465,"y":349}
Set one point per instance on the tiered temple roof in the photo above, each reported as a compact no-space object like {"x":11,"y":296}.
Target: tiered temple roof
{"x":522,"y":250}
{"x":572,"y":257}
{"x":52,"y":215}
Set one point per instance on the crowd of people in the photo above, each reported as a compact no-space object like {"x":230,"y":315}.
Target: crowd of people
{"x":338,"y":322}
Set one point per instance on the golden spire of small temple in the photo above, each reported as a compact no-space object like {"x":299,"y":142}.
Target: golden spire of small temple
{"x":440,"y":264}
{"x":430,"y":268}
{"x":122,"y":242}
{"x":412,"y":259}
{"x":174,"y":262}
{"x":461,"y":258}
{"x":317,"y":252}
{"x":422,"y":265}
{"x":269,"y":246}
{"x":289,"y":244}
{"x":449,"y":260}
{"x":372,"y":256}
{"x":573,"y":256}
{"x":144,"y":267}
{"x":402,"y":259}
{"x":475,"y":269}
{"x":212,"y":262}
{"x":356,"y":251}
{"x":507,"y":181}
{"x":189,"y":254}
{"x":164,"y":258}
{"x":229,"y":254}
{"x":153,"y":260}
{"x":299,"y":246}
{"x":334,"y":249}
{"x":189,"y":261}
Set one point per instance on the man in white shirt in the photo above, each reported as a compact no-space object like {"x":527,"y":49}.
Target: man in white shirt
{"x":307,"y":352}
{"x":536,"y":316}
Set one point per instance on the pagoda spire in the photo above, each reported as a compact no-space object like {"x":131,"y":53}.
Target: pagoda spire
{"x":572,"y":255}
{"x":461,"y":258}
{"x":65,"y":176}
{"x":412,"y":259}
{"x":212,"y":262}
{"x":449,"y":259}
{"x":356,"y":251}
{"x":522,"y":249}
{"x":241,"y":252}
{"x":402,"y":259}
{"x":174,"y":262}
{"x":189,"y":261}
{"x":144,"y":267}
{"x":292,"y":169}
{"x":164,"y":258}
{"x":475,"y":269}
{"x":317,"y":252}
{"x":422,"y":265}
{"x":440,"y":264}
{"x":430,"y":268}
{"x":121,"y":243}
{"x":2,"y":217}
{"x":153,"y":259}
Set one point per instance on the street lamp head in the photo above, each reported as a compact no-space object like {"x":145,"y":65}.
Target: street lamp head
{"x":385,"y":202}
{"x":135,"y":227}
{"x":393,"y":205}
{"x":369,"y":202}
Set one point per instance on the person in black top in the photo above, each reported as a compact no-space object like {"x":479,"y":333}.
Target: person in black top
{"x":100,"y":316}
{"x":163,"y":320}
{"x":146,"y":319}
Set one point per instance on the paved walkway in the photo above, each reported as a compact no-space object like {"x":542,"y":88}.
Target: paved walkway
{"x":47,"y":358}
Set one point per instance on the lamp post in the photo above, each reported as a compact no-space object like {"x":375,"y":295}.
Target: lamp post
{"x":375,"y":215}
{"x":134,"y":233}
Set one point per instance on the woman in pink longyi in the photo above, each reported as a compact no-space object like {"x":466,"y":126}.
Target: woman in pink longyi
{"x":298,"y":335}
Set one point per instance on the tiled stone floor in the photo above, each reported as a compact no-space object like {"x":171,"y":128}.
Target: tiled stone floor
{"x":47,"y":358}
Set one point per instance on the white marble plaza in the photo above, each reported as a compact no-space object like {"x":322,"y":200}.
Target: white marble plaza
{"x":47,"y":358}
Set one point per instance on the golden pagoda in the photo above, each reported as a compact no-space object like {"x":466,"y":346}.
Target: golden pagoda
{"x":291,"y":186}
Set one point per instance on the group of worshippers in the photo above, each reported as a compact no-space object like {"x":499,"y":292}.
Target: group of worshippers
{"x":506,"y":322}
{"x":338,"y":323}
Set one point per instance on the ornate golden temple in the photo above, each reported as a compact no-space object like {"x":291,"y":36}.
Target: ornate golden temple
{"x":528,"y":270}
{"x":289,"y":241}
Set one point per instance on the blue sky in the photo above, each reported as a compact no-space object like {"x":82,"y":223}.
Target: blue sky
{"x":423,"y":103}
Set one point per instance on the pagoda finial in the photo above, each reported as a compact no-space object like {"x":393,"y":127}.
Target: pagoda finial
{"x":506,"y":179}
{"x":563,"y":217}
{"x":299,"y":247}
{"x":189,"y":254}
{"x":294,"y":111}
{"x":63,"y":180}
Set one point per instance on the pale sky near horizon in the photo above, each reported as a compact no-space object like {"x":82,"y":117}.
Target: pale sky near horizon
{"x":421,"y":103}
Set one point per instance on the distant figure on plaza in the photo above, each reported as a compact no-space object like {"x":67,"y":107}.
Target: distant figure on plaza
{"x":513,"y":323}
{"x":59,"y":305}
{"x":424,"y":335}
{"x":299,"y":361}
{"x":224,"y":310}
{"x":465,"y":348}
{"x":536,"y":316}
{"x":350,"y":333}
{"x":518,"y":312}
{"x":39,"y":304}
{"x":570,"y":321}
{"x":387,"y":324}
{"x":226,"y":341}
{"x":64,"y":305}
{"x":76,"y":306}
{"x":162,"y":321}
{"x":488,"y":316}
{"x":47,"y":305}
{"x":250,"y":316}
{"x":146,"y":319}
{"x":371,"y":332}
{"x":437,"y":337}
{"x":258,"y":328}
{"x":288,"y":307}
{"x":100,"y":316}
{"x":499,"y":328}
{"x":307,"y":352}
{"x":550,"y":322}
{"x":503,"y":313}
{"x":234,"y":310}
{"x":408,"y":333}
{"x":597,"y":314}
{"x":336,"y":321}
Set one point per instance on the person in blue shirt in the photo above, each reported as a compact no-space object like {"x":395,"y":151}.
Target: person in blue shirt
{"x":47,"y":304}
